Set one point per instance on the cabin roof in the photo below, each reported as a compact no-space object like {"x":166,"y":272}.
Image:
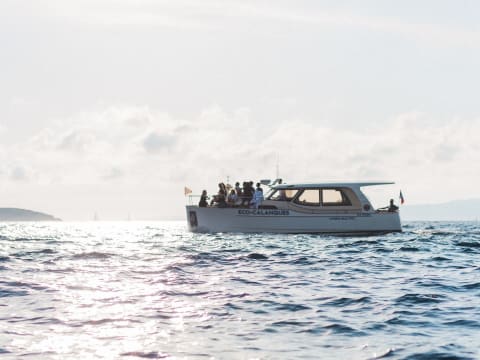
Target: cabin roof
{"x":330,"y":184}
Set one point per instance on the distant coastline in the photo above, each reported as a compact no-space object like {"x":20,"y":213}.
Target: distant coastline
{"x":15,"y":214}
{"x":458,"y":210}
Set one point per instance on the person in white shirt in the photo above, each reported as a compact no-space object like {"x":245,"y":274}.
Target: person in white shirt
{"x":257,"y":196}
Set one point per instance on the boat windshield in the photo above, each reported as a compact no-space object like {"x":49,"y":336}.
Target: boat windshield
{"x":283,"y":194}
{"x":323,"y":197}
{"x":335,"y":197}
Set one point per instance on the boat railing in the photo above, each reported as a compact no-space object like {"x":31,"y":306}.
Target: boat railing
{"x":193,"y":199}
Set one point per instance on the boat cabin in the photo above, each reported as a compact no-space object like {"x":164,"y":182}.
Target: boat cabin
{"x":319,"y":198}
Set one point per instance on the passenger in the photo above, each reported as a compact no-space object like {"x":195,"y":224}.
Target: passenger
{"x":251,"y":191}
{"x":238,"y":189}
{"x":232,"y":198}
{"x":247,"y":194}
{"x":257,"y":196}
{"x":239,"y":192}
{"x":392,"y":207}
{"x":220,"y":198}
{"x":224,"y":188}
{"x":203,"y":199}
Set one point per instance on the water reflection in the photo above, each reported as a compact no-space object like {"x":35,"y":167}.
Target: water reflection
{"x":153,"y":290}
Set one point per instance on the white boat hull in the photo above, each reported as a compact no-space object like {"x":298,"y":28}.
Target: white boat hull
{"x":213,"y":219}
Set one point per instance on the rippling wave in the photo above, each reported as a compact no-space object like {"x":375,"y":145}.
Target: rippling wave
{"x":155,"y":291}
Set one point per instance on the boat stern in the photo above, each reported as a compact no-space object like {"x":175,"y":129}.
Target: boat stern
{"x":192,"y":218}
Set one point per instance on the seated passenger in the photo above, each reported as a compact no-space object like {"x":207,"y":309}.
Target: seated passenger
{"x":220,"y":198}
{"x":238,"y":189}
{"x":203,"y":199}
{"x":392,"y":207}
{"x":247,"y":193}
{"x":232,"y":198}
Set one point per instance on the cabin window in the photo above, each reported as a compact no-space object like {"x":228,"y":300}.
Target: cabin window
{"x":283,"y":194}
{"x":334,"y":197}
{"x":309,"y":197}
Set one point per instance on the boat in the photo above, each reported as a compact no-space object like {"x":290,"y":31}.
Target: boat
{"x":332,"y":208}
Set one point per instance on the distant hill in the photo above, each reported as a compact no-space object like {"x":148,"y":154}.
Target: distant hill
{"x":454,"y":210}
{"x":14,"y":214}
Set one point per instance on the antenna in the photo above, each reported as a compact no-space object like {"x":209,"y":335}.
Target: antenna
{"x":277,"y":175}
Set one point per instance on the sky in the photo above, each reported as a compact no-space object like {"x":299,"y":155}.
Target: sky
{"x":113,"y":106}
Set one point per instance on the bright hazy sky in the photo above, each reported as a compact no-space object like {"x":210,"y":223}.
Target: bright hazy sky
{"x":113,"y":106}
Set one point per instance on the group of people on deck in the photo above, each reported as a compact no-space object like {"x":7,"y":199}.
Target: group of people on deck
{"x":240,"y":196}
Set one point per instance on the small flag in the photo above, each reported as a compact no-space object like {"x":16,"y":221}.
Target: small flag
{"x":187,"y":191}
{"x":402,"y":200}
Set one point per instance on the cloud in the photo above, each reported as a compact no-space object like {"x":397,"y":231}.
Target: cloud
{"x":439,"y":34}
{"x":113,"y":174}
{"x":98,"y":149}
{"x":18,"y":173}
{"x":76,"y":140}
{"x":216,"y":14}
{"x":155,"y":142}
{"x":445,"y":153}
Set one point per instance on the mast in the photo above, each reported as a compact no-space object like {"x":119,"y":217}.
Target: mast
{"x":277,"y":173}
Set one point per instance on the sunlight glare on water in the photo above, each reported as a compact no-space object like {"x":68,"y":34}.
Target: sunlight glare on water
{"x":154,"y":290}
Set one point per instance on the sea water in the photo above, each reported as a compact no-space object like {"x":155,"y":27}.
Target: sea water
{"x":126,"y":290}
